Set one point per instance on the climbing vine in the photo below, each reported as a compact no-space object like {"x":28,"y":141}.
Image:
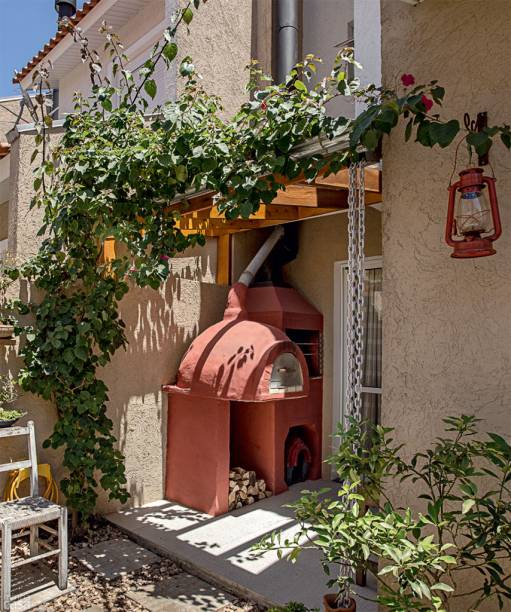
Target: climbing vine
{"x":115,"y":172}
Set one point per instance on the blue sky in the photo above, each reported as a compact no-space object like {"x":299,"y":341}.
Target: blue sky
{"x":25,"y":26}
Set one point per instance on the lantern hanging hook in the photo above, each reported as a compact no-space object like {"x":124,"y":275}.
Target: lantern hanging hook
{"x":477,"y":125}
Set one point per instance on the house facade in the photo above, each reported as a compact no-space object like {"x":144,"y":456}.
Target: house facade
{"x":440,"y":333}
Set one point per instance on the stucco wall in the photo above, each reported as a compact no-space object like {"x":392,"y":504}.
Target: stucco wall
{"x":220,"y":43}
{"x":323,"y":241}
{"x":447,"y":336}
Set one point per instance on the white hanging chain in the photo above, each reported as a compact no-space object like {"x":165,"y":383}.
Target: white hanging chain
{"x":355,"y":306}
{"x":355,"y":318}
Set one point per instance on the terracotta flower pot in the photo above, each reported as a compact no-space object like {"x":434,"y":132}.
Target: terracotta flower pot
{"x":330,"y":604}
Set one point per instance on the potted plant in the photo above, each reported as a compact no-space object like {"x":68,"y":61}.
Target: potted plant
{"x":8,"y":394}
{"x":465,"y":528}
{"x":7,"y":321}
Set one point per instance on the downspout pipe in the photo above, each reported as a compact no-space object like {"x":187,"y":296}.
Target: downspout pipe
{"x":287,"y":36}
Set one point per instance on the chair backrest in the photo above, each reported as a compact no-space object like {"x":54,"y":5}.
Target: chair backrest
{"x":31,"y":462}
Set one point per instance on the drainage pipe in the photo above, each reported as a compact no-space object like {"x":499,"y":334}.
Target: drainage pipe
{"x":250,"y":271}
{"x":287,"y":37}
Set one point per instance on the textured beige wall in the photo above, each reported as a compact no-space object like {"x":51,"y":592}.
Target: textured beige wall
{"x":159,"y":326}
{"x":447,"y":331}
{"x":220,"y":44}
{"x":323,"y":241}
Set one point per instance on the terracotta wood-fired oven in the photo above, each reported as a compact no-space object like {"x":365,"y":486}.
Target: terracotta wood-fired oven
{"x":248,"y":393}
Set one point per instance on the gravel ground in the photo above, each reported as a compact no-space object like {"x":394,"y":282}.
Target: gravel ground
{"x":93,"y":590}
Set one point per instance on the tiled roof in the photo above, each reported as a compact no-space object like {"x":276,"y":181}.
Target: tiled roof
{"x":53,"y":42}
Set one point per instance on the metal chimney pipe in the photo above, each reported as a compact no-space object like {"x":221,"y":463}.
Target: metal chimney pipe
{"x":250,"y":271}
{"x":287,"y":36}
{"x":66,"y":9}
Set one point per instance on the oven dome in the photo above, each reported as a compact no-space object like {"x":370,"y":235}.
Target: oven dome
{"x":242,"y":360}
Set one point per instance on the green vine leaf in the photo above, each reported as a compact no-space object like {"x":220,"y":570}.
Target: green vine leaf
{"x":170,"y":51}
{"x":187,"y":16}
{"x":150,"y":87}
{"x":444,"y":133}
{"x":481,"y":141}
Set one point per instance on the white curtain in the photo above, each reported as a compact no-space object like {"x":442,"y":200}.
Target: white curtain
{"x":372,"y":343}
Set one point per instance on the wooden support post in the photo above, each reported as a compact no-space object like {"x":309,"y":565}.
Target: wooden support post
{"x":6,"y":567}
{"x":62,"y":527}
{"x":109,"y":249}
{"x":223,"y":260}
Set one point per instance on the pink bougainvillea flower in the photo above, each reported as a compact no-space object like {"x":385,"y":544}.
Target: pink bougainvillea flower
{"x":407,"y":79}
{"x":427,"y":103}
{"x":164,"y":257}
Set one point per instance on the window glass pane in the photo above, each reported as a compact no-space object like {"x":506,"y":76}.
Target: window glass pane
{"x":372,"y":328}
{"x":371,"y":407}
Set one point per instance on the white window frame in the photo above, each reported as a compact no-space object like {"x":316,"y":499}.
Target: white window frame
{"x":339,"y":337}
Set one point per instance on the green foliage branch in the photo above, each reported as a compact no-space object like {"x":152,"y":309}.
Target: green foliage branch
{"x":426,"y":560}
{"x":116,"y":172}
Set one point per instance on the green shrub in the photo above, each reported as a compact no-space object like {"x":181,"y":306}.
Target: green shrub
{"x":463,"y":536}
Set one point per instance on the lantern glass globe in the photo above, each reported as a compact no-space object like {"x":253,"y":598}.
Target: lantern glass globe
{"x":473,"y":214}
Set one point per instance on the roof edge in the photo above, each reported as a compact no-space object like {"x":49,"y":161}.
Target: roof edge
{"x":54,"y":41}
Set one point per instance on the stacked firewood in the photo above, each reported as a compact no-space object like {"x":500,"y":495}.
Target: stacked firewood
{"x":245,"y":488}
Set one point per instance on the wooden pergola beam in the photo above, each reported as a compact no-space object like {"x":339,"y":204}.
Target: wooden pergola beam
{"x":311,"y":196}
{"x":340,"y":180}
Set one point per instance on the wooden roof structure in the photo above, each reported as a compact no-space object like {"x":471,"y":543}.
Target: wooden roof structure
{"x":297,"y":201}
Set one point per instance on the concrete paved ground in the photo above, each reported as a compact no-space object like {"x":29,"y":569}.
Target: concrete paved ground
{"x":115,"y":558}
{"x":181,"y":593}
{"x":219,"y":548}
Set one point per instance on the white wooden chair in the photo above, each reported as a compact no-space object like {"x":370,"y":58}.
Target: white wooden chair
{"x":31,"y":512}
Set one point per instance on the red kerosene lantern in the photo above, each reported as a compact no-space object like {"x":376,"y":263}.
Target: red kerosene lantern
{"x":473,"y":223}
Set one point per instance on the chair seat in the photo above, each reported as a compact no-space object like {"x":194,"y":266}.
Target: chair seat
{"x":28,"y":511}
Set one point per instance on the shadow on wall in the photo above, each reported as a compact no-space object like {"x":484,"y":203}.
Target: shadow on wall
{"x":160,"y":326}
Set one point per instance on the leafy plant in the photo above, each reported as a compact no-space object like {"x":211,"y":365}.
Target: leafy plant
{"x":292,"y":606}
{"x":8,"y":390}
{"x":8,"y":263}
{"x":10,"y":415}
{"x":425,"y":558}
{"x":116,"y":173}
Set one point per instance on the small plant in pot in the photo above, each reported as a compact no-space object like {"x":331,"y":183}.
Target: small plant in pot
{"x":7,"y":321}
{"x":8,"y":394}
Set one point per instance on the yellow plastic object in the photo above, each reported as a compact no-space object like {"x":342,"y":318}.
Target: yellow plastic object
{"x":16,"y":477}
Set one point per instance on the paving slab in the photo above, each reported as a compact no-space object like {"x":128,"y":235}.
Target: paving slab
{"x":181,"y":593}
{"x":114,"y":558}
{"x":220,"y":548}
